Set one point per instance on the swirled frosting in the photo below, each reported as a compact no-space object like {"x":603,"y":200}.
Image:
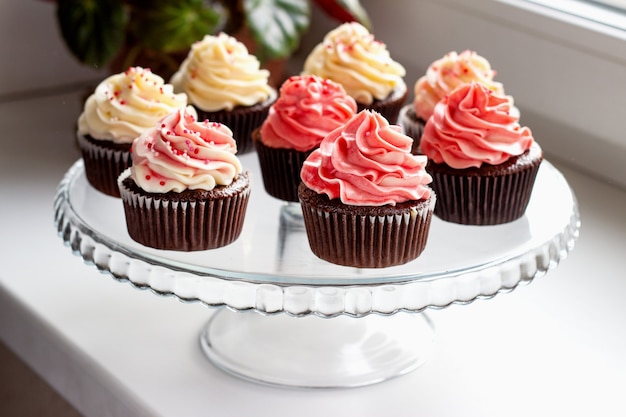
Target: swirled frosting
{"x":351,"y":56}
{"x":307,"y":109}
{"x":220,"y":74}
{"x":124,"y":105}
{"x":368,"y":162}
{"x":447,"y":73}
{"x":182,"y":153}
{"x":474,"y":126}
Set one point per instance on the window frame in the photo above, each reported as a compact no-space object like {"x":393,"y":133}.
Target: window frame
{"x":566,"y":73}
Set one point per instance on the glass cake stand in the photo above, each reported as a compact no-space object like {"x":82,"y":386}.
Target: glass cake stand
{"x":277,"y":293}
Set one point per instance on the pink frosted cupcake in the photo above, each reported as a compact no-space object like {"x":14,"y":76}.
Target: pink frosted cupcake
{"x":352,"y":57}
{"x":365,"y":198}
{"x":307,"y":109}
{"x":483,"y":163}
{"x":121,"y":108}
{"x":443,"y":76}
{"x":186,"y":190}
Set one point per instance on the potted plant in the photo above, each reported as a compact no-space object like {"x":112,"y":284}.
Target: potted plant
{"x":158,"y":33}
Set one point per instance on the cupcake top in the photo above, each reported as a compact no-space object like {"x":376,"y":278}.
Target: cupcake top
{"x":351,"y":56}
{"x":447,"y":73}
{"x":368,"y":162}
{"x":182,"y":153}
{"x":124,"y":105}
{"x":307,"y":109}
{"x":220,"y":74}
{"x":473,"y":126}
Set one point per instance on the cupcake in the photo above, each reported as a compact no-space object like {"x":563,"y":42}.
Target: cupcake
{"x":225,"y":84}
{"x":351,"y":56}
{"x":121,"y":108}
{"x":483,"y":162}
{"x":443,"y":76}
{"x":185,"y":190}
{"x":365,"y":198}
{"x":307,"y":109}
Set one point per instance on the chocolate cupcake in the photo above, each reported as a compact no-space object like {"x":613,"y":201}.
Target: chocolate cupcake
{"x":365,"y":198}
{"x":226,"y":84}
{"x":352,"y":57}
{"x":443,"y":76}
{"x":122,"y":107}
{"x":307,"y":109}
{"x":186,"y":190}
{"x":483,"y":163}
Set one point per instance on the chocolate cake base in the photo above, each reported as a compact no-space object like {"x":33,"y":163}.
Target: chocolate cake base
{"x":365,"y":236}
{"x":241,"y":120}
{"x":104,"y":161}
{"x":191,"y":220}
{"x":489,"y":195}
{"x":389,"y":107}
{"x":280,"y":169}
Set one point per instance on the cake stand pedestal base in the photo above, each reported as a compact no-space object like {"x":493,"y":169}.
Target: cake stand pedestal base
{"x":314,"y":352}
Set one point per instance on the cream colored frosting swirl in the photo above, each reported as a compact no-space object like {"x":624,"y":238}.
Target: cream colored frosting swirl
{"x":307,"y":109}
{"x":474,"y":126}
{"x":182,"y":153}
{"x":447,"y":73}
{"x":124,"y":105}
{"x":351,"y":56}
{"x":220,"y":74}
{"x":368,"y":162}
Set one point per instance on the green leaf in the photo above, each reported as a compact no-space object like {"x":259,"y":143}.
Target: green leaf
{"x":170,"y":26}
{"x":94,"y":31}
{"x":277,"y":25}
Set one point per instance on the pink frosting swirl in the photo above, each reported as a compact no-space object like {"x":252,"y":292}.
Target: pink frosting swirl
{"x":447,"y":73}
{"x":308,"y":108}
{"x":474,"y":126}
{"x":182,"y":153}
{"x":368,"y":162}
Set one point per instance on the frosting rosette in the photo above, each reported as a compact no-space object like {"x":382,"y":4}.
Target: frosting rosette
{"x":367,"y":163}
{"x":307,"y":109}
{"x":474,"y":126}
{"x":447,"y":73}
{"x":182,"y":153}
{"x":220,"y":74}
{"x":351,"y":56}
{"x":124,"y":105}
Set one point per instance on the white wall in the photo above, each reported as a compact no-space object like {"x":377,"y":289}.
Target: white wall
{"x":32,"y":53}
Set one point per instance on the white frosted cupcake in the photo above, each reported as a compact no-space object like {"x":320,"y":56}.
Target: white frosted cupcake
{"x":120,"y":109}
{"x":352,"y":57}
{"x":225,"y":84}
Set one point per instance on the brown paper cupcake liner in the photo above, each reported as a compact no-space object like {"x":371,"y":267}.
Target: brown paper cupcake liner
{"x":280,"y":169}
{"x":241,"y":120}
{"x":389,"y":107}
{"x":191,"y":220}
{"x":104,"y":161}
{"x":467,"y":197}
{"x":365,"y":237}
{"x":413,"y":126}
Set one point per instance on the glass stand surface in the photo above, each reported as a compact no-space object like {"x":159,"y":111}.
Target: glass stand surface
{"x":285,"y":291}
{"x":312,"y":352}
